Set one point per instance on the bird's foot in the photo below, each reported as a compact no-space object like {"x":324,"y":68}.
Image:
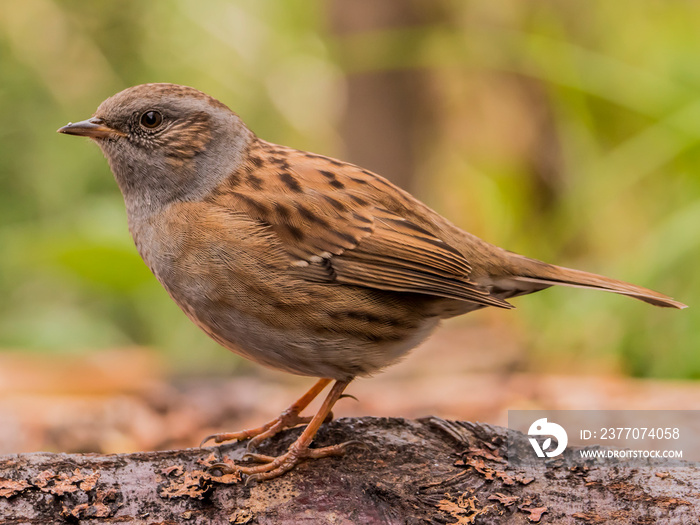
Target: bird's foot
{"x":270,"y":467}
{"x":287,"y":419}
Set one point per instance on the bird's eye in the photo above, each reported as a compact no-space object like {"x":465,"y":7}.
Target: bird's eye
{"x":151,"y":119}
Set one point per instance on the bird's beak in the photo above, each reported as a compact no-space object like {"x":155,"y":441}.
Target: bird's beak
{"x":95,"y":128}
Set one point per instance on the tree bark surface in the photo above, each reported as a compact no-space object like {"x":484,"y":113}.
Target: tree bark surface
{"x":408,"y":471}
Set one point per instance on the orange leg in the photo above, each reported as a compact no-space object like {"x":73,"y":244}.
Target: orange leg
{"x":287,"y":419}
{"x":271,"y":467}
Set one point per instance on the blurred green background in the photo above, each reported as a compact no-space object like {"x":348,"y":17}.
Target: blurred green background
{"x":564,"y":130}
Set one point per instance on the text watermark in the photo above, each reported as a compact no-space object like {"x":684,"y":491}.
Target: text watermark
{"x":657,"y":437}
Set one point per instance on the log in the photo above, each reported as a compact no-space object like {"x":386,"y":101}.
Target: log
{"x":409,"y":471}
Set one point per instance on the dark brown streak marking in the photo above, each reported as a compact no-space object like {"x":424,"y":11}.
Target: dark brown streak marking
{"x":361,"y":218}
{"x":259,"y":208}
{"x":282,"y":211}
{"x":281,"y":162}
{"x":233,"y":180}
{"x":310,"y":216}
{"x":359,"y":200}
{"x":382,"y":181}
{"x":372,"y":318}
{"x":332,"y":180}
{"x":255,"y":182}
{"x":409,"y":225}
{"x":346,"y":237}
{"x":295,"y":232}
{"x":335,"y":203}
{"x":290,"y":181}
{"x":257,"y":161}
{"x":375,"y":338}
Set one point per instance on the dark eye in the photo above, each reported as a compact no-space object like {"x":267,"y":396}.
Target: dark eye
{"x":151,"y":119}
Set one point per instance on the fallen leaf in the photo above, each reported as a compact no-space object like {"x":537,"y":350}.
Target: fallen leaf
{"x":535,"y":515}
{"x":11,"y":487}
{"x":84,"y":511}
{"x":588,"y":517}
{"x":174,"y":470}
{"x":504,"y":500}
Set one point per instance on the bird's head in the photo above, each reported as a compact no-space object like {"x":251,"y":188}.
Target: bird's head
{"x":165,"y":142}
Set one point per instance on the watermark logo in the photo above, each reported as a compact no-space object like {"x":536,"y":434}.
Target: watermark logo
{"x":542,"y":427}
{"x":607,"y":438}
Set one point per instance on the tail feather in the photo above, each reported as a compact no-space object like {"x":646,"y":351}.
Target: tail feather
{"x":539,"y":273}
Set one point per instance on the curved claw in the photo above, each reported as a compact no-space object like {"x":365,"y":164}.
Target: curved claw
{"x":332,"y":450}
{"x":221,"y":438}
{"x":208,"y":438}
{"x":223,"y":467}
{"x":252,"y":477}
{"x":251,"y":445}
{"x":349,"y":396}
{"x":355,"y":442}
{"x":258,"y":458}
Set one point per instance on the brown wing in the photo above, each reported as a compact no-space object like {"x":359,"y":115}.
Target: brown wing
{"x":335,"y":230}
{"x":403,"y":257}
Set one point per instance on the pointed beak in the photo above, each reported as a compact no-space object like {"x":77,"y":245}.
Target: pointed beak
{"x":95,"y":128}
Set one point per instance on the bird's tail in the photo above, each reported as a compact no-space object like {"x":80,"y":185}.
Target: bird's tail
{"x":530,"y":272}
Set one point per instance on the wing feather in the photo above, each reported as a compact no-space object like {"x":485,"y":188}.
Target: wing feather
{"x":335,"y":231}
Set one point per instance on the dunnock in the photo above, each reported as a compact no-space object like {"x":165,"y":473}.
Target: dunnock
{"x":297,"y":261}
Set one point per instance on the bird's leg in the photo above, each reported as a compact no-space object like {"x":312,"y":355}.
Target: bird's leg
{"x":287,"y":419}
{"x":272,"y":467}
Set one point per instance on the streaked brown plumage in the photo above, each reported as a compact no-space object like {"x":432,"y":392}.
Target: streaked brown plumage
{"x":295,"y":260}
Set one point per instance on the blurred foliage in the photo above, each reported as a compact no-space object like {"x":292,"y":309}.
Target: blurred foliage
{"x":618,"y":82}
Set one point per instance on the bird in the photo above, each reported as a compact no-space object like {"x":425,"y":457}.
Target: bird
{"x":295,"y":260}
